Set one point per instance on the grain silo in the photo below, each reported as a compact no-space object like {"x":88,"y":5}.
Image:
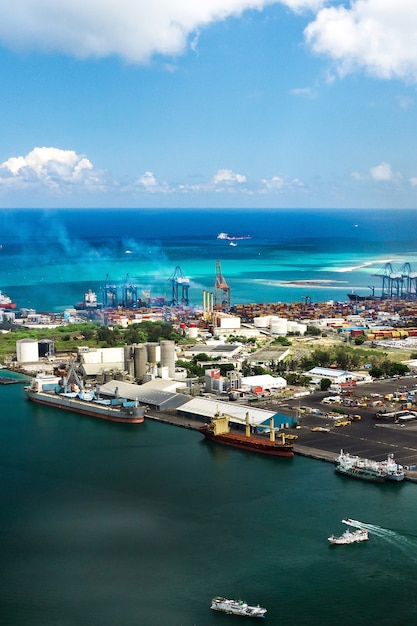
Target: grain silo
{"x":168,"y":356}
{"x":141,"y":360}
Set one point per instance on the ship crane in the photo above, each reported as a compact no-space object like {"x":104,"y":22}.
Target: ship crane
{"x":180,"y":287}
{"x":221,"y":421}
{"x":221,"y":290}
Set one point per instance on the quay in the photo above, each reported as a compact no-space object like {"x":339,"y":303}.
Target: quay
{"x":326,"y":451}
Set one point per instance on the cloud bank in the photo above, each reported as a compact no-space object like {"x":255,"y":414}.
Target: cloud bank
{"x":132,"y":29}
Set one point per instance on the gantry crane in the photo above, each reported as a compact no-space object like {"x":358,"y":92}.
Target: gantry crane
{"x":180,"y":287}
{"x":221,"y":290}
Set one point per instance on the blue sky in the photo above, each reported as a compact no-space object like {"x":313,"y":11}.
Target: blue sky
{"x":216,"y":103}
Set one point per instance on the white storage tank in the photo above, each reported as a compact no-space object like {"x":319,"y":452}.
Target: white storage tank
{"x":279,"y":327}
{"x":192,"y":332}
{"x":261,"y":322}
{"x":27,"y":351}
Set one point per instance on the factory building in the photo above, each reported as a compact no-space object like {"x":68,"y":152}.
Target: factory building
{"x":156,"y":398}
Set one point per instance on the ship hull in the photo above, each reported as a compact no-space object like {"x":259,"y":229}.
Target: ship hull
{"x":134,"y":415}
{"x":251,"y":444}
{"x":360,"y":475}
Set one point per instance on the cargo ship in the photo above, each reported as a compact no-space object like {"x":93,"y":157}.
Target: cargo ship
{"x":70,"y":396}
{"x":236,"y":607}
{"x":6,"y":302}
{"x":89,"y":302}
{"x":218,"y":430}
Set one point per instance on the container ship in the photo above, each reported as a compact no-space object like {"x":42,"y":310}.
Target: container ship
{"x":218,"y":430}
{"x":365,"y":469}
{"x":62,"y":394}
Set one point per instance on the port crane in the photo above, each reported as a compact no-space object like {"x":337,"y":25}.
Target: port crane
{"x":180,"y":287}
{"x":110,"y":294}
{"x":221,"y":290}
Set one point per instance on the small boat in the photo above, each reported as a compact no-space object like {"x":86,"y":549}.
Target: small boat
{"x":236,"y":607}
{"x":356,"y":536}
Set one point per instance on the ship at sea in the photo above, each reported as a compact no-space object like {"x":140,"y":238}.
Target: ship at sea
{"x":232,"y":238}
{"x":219,"y":430}
{"x":89,"y":302}
{"x":68,"y":394}
{"x":365,"y":469}
{"x":236,"y":607}
{"x":349,"y":537}
{"x":6,"y":302}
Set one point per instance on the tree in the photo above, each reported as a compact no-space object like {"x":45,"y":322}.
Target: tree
{"x":325,"y":384}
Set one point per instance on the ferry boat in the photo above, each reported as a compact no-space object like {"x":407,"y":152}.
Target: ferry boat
{"x":236,"y":607}
{"x":64,"y":394}
{"x":231,"y":238}
{"x":365,"y":469}
{"x":348,"y":537}
{"x":218,"y":430}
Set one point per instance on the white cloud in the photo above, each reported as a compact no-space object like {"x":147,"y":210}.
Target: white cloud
{"x":52,"y":168}
{"x":382,"y":171}
{"x":147,"y":182}
{"x":228,"y":177}
{"x":132,"y":29}
{"x":378,"y":36}
{"x":413,"y":181}
{"x":279,"y":183}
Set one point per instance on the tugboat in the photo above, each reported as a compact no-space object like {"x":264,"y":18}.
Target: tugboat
{"x":236,"y":607}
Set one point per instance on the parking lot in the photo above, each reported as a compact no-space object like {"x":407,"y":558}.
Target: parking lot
{"x":366,"y":437}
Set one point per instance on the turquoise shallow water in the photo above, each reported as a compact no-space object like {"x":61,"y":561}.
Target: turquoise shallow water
{"x":104,"y":524}
{"x":49,"y":259}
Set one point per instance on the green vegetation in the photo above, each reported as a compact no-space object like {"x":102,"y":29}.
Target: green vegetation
{"x":68,"y":338}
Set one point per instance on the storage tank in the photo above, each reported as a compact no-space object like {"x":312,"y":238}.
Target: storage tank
{"x":140,"y":358}
{"x":192,"y":332}
{"x":168,"y":356}
{"x":27,"y":351}
{"x":46,"y":348}
{"x":279,"y":327}
{"x":261,"y":322}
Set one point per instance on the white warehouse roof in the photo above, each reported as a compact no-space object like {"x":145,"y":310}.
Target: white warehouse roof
{"x":208,"y":408}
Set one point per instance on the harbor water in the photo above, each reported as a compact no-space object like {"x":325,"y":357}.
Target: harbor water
{"x":106,"y":524}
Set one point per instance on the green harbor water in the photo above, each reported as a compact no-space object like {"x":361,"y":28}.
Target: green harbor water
{"x":104,"y":524}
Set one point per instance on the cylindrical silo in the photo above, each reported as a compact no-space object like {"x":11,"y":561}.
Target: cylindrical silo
{"x":168,"y":356}
{"x":192,"y":332}
{"x":153,"y":352}
{"x":279,"y":327}
{"x":27,"y":351}
{"x":46,"y":348}
{"x":141,"y":359}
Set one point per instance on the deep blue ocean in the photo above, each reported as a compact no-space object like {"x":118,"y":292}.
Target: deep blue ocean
{"x":50,"y":258}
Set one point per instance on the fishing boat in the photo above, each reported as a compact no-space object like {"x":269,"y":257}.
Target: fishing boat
{"x":219,"y":430}
{"x":236,"y":607}
{"x":348,"y":537}
{"x":68,"y":394}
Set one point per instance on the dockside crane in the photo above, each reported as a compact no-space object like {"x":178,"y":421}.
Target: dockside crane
{"x":221,"y":290}
{"x":130,"y":294}
{"x":109,"y":294}
{"x":180,"y":287}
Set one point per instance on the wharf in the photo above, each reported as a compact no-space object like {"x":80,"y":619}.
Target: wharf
{"x":312,"y":452}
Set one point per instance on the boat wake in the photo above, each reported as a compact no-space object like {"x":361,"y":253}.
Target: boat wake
{"x":406,"y":542}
